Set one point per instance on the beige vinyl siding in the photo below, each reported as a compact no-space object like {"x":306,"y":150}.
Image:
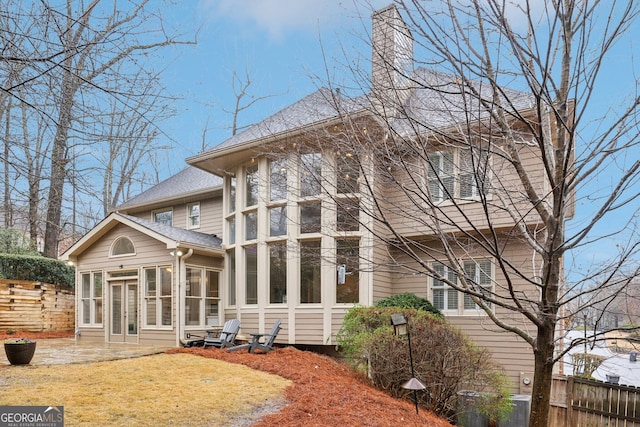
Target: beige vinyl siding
{"x":148,"y":251}
{"x":510,"y":352}
{"x":160,"y":338}
{"x":309,"y":328}
{"x":410,"y":220}
{"x":249,"y":323}
{"x":210,"y":215}
{"x":383,"y":286}
{"x":269,"y":320}
{"x":337,"y":320}
{"x":91,"y":334}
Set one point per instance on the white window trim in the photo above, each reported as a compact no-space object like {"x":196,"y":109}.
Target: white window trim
{"x":158,"y":297}
{"x":157,"y":211}
{"x":92,"y":299}
{"x":113,"y":244}
{"x":456,"y":174}
{"x":461,"y":311}
{"x":190,"y":226}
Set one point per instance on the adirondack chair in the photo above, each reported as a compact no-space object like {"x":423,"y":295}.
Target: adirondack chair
{"x":262,"y":342}
{"x":227,"y":337}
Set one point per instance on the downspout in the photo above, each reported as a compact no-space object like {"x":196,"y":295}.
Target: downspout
{"x":182,"y":272}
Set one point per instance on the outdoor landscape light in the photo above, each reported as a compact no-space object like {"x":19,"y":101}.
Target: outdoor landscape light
{"x":401,"y":327}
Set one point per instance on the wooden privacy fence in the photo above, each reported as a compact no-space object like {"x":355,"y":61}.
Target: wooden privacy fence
{"x":579,"y":402}
{"x":35,"y":306}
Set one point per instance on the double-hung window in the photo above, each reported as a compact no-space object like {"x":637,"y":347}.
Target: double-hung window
{"x":91,"y":298}
{"x":158,"y":297}
{"x":457,"y":173}
{"x":478,"y":277}
{"x":444,"y":297}
{"x":193,"y":215}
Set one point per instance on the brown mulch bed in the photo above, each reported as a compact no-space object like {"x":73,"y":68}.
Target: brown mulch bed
{"x":324,"y":391}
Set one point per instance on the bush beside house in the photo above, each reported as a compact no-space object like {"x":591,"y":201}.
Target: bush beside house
{"x":445,"y":360}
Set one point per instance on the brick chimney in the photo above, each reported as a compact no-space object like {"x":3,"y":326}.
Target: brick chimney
{"x":392,"y":60}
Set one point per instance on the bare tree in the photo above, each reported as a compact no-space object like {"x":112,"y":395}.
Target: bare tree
{"x":82,"y":55}
{"x":244,"y":100}
{"x":491,"y":163}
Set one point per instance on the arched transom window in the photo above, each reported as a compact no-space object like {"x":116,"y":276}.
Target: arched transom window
{"x":123,"y":246}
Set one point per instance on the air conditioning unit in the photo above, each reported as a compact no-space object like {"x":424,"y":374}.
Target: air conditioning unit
{"x":469,"y":416}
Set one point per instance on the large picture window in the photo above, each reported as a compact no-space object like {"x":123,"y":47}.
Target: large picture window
{"x":278,"y":272}
{"x":251,"y":274}
{"x":347,"y":173}
{"x":310,"y":277}
{"x":277,"y":179}
{"x":310,"y":174}
{"x":348,"y":260}
{"x":158,"y":297}
{"x":251,"y":186}
{"x":91,"y":298}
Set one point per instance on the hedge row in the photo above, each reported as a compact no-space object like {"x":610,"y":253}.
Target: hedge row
{"x":36,"y":269}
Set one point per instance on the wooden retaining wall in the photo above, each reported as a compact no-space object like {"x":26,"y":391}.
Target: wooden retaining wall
{"x":35,"y":306}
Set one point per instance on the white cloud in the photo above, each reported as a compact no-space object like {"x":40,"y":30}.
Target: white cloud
{"x":281,"y":17}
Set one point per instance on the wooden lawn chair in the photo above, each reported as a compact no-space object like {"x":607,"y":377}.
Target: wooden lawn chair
{"x":227,"y":337}
{"x":262,"y":342}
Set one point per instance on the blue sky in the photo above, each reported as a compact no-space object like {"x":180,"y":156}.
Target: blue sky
{"x":280,"y":43}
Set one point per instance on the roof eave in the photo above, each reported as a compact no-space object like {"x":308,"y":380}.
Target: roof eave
{"x":214,"y":160}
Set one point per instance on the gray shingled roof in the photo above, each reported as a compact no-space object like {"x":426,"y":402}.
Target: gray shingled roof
{"x":189,"y":180}
{"x":440,"y":102}
{"x":316,"y":107}
{"x":178,"y":234}
{"x":437,"y":101}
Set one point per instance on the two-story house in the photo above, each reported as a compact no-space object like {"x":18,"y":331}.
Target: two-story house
{"x":276,"y":223}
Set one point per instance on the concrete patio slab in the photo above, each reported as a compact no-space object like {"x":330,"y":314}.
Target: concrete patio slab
{"x":62,"y":351}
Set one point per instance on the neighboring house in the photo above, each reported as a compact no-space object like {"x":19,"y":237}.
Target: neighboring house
{"x":287,"y":251}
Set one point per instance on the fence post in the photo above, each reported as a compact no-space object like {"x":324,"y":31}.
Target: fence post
{"x":569,"y":420}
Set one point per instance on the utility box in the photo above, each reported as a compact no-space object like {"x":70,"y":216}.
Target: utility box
{"x":521,"y":410}
{"x":469,"y":416}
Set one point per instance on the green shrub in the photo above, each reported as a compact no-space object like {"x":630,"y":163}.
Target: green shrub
{"x":444,"y":359}
{"x":36,"y":269}
{"x":407,"y":301}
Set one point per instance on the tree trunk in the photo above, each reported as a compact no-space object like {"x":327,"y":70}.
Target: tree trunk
{"x":543,"y":375}
{"x":58,"y":172}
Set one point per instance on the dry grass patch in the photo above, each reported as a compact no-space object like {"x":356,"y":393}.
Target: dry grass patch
{"x":164,"y":389}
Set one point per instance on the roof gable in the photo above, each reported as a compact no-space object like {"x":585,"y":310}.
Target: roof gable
{"x":173,"y":237}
